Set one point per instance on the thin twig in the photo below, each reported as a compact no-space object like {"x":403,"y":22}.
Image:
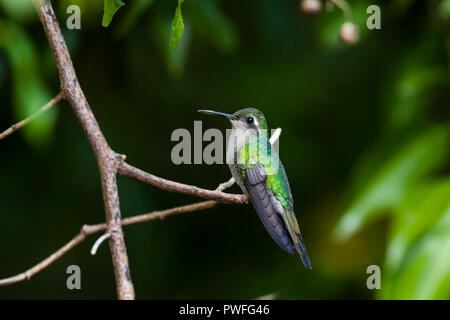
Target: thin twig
{"x":25,"y":121}
{"x":91,"y":229}
{"x":99,"y":242}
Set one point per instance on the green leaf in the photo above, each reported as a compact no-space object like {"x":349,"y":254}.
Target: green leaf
{"x":18,"y":10}
{"x":387,"y":185}
{"x":29,"y":97}
{"x":422,"y":207}
{"x":425,"y":273}
{"x":444,"y":9}
{"x":177,"y":27}
{"x":110,"y":8}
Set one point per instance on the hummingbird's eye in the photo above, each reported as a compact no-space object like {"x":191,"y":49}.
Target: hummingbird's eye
{"x":249,"y":120}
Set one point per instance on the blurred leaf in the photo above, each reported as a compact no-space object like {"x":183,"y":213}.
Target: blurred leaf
{"x":177,"y":27}
{"x":20,"y":10}
{"x":110,"y":8}
{"x":425,"y":273}
{"x":137,"y":8}
{"x":413,"y":77}
{"x":175,"y":60}
{"x":29,"y":97}
{"x":210,"y":22}
{"x":30,"y":92}
{"x":387,"y":185}
{"x":412,"y":92}
{"x":421,"y":208}
{"x":444,"y":9}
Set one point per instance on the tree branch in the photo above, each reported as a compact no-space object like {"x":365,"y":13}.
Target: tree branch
{"x":87,"y":230}
{"x":107,"y":159}
{"x":172,"y":186}
{"x":25,"y":121}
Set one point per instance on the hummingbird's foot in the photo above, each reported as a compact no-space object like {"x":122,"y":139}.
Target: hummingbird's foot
{"x":225,"y":185}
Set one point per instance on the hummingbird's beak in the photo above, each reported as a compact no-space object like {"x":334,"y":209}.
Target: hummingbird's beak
{"x":226,"y":115}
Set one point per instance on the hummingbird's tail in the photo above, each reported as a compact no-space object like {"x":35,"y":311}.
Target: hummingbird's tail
{"x":296,"y":236}
{"x":301,"y":249}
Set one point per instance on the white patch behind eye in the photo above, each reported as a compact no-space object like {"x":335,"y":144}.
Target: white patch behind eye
{"x":237,"y":124}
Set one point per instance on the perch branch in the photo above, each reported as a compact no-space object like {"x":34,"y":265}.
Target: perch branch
{"x":25,"y":121}
{"x":172,"y":186}
{"x":128,"y":170}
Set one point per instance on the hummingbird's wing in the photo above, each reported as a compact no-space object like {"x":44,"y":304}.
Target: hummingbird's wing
{"x":255,"y":184}
{"x":279,"y":221}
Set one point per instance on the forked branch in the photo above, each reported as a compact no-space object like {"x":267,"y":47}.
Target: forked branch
{"x":87,"y":230}
{"x":110,"y":164}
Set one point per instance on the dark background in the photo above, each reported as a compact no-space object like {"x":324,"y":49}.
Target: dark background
{"x":365,"y":145}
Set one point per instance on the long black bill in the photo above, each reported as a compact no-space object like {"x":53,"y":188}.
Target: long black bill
{"x":226,"y":115}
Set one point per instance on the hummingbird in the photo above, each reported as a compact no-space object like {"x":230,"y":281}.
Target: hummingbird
{"x":256,"y":168}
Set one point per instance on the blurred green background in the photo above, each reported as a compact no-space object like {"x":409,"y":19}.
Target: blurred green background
{"x":365,"y":144}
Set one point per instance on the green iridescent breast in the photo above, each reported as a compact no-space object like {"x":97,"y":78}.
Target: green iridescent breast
{"x":259,"y":150}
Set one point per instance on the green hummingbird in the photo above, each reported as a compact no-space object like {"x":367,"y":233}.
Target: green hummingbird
{"x":256,"y":168}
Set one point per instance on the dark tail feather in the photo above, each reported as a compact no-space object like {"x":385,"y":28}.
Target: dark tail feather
{"x":301,"y":249}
